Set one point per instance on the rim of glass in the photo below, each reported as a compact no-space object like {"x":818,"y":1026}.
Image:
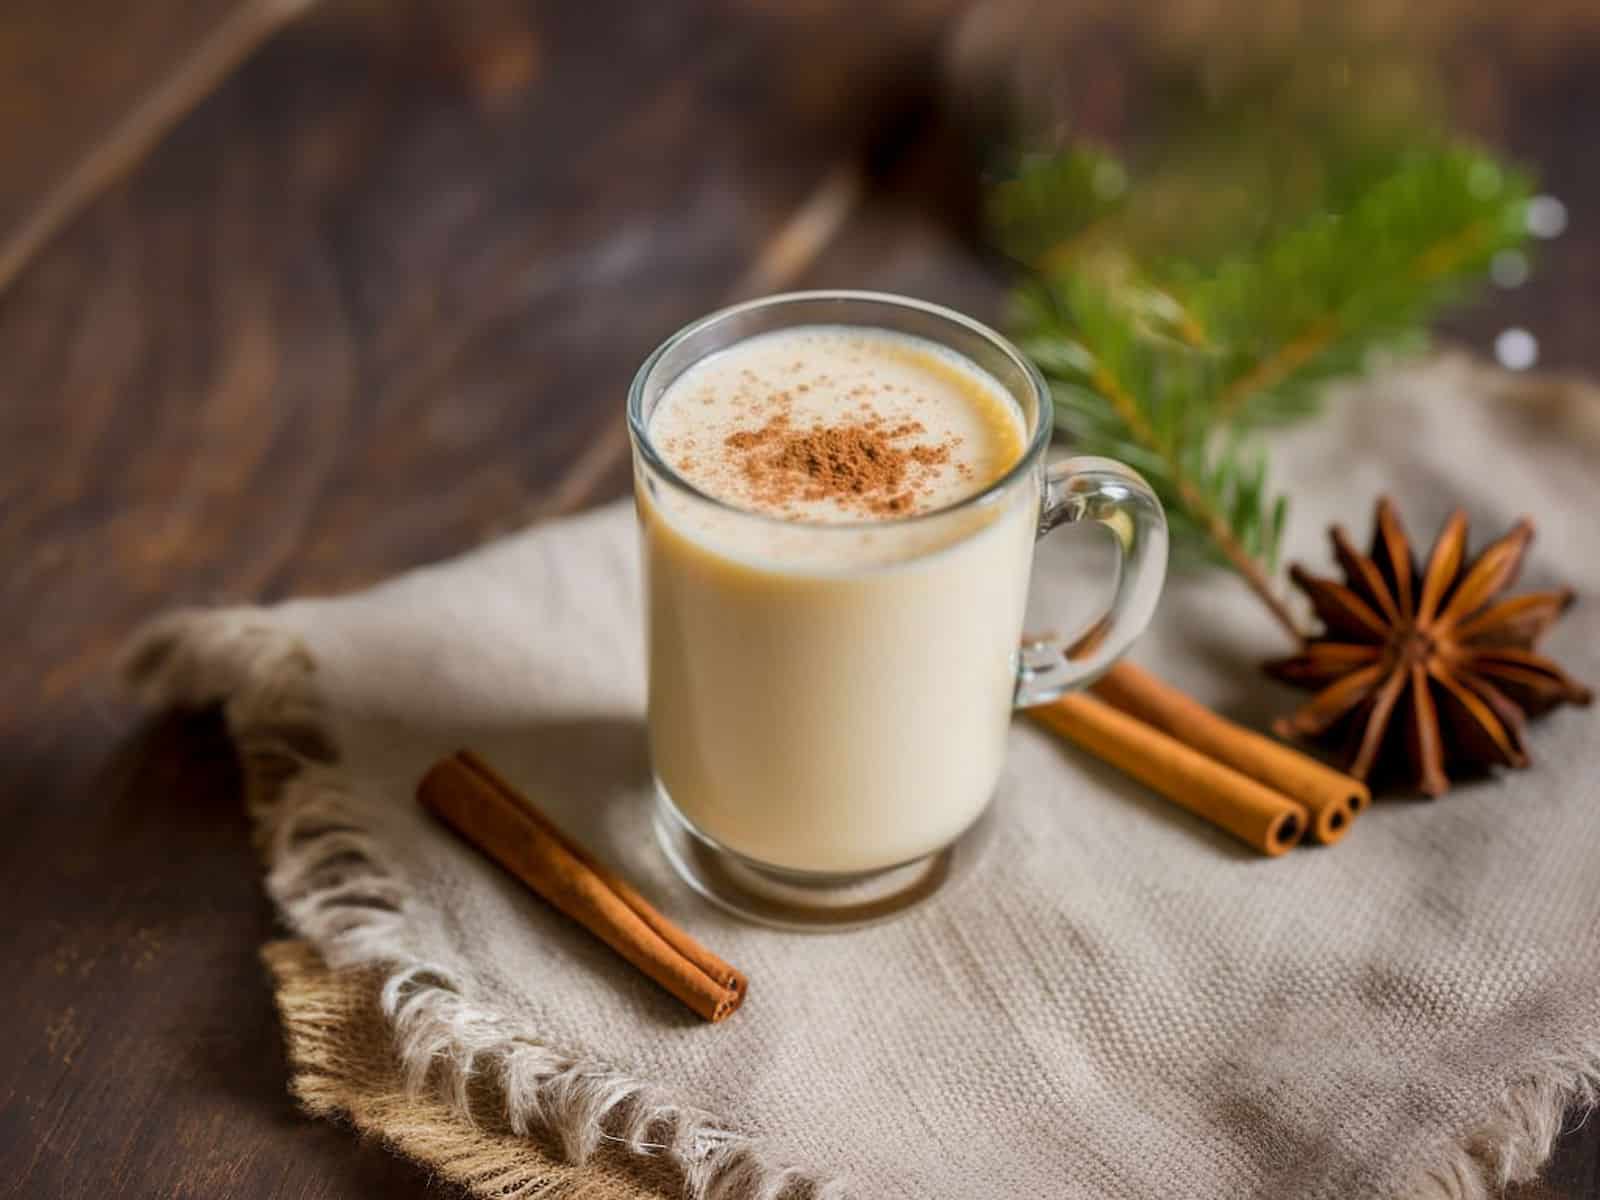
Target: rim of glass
{"x":1038,"y":438}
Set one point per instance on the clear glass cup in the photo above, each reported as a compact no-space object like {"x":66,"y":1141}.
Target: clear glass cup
{"x":829,"y":704}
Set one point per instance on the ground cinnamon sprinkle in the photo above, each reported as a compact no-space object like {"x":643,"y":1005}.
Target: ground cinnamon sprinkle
{"x":858,"y":463}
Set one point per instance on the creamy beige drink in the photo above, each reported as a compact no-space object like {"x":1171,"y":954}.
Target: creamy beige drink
{"x":830,"y":686}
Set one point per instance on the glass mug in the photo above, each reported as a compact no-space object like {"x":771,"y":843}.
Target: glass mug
{"x":829,"y":703}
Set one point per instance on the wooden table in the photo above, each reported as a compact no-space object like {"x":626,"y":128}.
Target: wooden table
{"x":375,"y":299}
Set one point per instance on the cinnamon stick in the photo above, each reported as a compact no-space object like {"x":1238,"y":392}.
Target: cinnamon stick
{"x":465,"y":793}
{"x":1262,"y":818}
{"x":1332,"y":797}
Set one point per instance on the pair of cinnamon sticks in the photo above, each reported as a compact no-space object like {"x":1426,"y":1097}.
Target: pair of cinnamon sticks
{"x":1268,"y":795}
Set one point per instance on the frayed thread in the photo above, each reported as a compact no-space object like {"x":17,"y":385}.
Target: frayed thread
{"x":1515,"y":1139}
{"x":329,"y":879}
{"x":343,"y":1069}
{"x":452,"y":1046}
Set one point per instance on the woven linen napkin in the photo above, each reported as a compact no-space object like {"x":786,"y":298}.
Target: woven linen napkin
{"x":1116,"y":1002}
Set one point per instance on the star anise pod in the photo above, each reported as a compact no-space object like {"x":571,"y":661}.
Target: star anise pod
{"x":1432,"y":671}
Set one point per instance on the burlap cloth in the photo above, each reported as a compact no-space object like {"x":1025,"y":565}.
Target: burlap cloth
{"x":1118,"y":1002}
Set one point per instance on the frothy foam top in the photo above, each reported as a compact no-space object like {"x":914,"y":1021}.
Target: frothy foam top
{"x":832,"y":424}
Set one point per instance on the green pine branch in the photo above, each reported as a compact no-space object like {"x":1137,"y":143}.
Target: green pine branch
{"x":1176,"y":364}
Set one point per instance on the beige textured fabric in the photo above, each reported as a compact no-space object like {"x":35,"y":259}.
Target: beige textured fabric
{"x":1119,"y":1002}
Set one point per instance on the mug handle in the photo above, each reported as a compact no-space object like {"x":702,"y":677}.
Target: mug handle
{"x":1098,"y":489}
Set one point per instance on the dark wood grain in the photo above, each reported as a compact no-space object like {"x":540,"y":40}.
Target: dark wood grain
{"x":86,"y":89}
{"x":376,"y":299}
